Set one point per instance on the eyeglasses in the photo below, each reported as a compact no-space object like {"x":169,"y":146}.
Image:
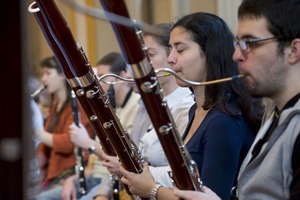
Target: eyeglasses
{"x":245,"y":44}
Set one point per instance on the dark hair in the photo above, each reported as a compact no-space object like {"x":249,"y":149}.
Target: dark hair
{"x":52,"y":63}
{"x":115,"y":61}
{"x":160,"y":33}
{"x":282,"y":17}
{"x":214,"y":37}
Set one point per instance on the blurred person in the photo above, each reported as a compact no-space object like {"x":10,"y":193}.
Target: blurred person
{"x":56,"y":151}
{"x":124,"y":99}
{"x":37,"y":116}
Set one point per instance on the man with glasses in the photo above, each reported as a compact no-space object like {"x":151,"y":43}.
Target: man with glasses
{"x":246,"y":43}
{"x":267,"y":49}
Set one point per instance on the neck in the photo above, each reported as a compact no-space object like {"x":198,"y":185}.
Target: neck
{"x":61,"y":97}
{"x":289,"y":90}
{"x":199,"y":94}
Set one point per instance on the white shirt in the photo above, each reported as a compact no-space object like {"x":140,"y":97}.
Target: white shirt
{"x":179,"y":103}
{"x":126,"y":114}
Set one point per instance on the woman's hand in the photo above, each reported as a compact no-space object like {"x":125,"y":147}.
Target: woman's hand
{"x":79,"y":136}
{"x":112,"y":164}
{"x":138,"y":184}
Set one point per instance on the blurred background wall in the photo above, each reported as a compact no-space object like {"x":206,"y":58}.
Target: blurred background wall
{"x":96,"y":35}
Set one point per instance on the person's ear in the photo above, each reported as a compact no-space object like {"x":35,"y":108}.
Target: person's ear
{"x":294,"y":51}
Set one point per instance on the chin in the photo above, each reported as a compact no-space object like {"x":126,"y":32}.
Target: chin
{"x":182,"y":84}
{"x":253,"y":91}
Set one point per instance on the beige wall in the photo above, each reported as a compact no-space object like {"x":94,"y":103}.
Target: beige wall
{"x":96,"y":35}
{"x":169,"y":10}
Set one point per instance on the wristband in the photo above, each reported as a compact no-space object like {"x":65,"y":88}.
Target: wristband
{"x":92,"y":148}
{"x":153,"y":194}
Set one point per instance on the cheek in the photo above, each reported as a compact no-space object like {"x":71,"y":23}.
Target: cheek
{"x":54,"y":84}
{"x":60,"y":83}
{"x":159,"y":62}
{"x":197,"y":72}
{"x":52,"y":80}
{"x":259,"y":66}
{"x":154,"y":63}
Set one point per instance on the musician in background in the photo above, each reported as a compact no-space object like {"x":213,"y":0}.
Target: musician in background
{"x":56,"y":151}
{"x":37,"y":124}
{"x":124,"y":99}
{"x":179,"y":100}
{"x":36,"y":113}
{"x":223,"y":121}
{"x":268,"y":53}
{"x":105,"y":190}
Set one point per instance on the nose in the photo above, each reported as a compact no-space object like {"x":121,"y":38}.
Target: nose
{"x":238,"y":56}
{"x":43,"y":78}
{"x":171,"y":58}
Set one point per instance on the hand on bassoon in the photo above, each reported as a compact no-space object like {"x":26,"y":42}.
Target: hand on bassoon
{"x":138,"y":184}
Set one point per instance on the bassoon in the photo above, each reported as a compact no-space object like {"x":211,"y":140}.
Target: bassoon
{"x":184,"y":170}
{"x":86,"y":86}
